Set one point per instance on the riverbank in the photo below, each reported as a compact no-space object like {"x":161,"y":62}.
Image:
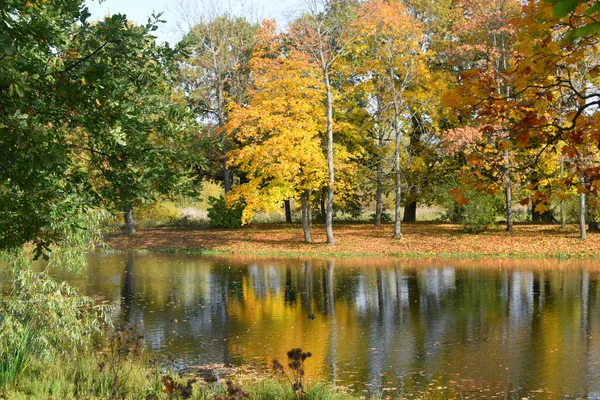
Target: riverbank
{"x":90,"y":376}
{"x":420,"y":240}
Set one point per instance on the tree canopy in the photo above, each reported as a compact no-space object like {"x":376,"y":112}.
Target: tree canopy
{"x":88,"y":118}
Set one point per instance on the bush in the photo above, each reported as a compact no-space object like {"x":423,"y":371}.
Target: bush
{"x":223,"y":216}
{"x":386,"y":217}
{"x":480,"y":212}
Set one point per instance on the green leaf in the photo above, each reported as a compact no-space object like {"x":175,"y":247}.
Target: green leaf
{"x":593,"y":9}
{"x":562,"y":8}
{"x":588,"y":30}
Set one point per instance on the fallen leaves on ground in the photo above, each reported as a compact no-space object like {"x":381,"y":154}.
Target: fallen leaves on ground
{"x":362,"y":239}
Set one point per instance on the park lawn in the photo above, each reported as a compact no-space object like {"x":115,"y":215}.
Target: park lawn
{"x":356,"y":239}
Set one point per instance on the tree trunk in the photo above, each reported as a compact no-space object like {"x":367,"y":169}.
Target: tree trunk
{"x":226,"y":177}
{"x":508,"y":193}
{"x":221,"y":117}
{"x":582,"y":228}
{"x":535,"y":216}
{"x":329,"y":208}
{"x":592,"y":223}
{"x":288,"y":211}
{"x":129,"y":221}
{"x":563,"y":216}
{"x":410,"y":212}
{"x":323,"y":212}
{"x":397,"y":226}
{"x":397,"y":134}
{"x":226,"y":173}
{"x":379,"y":195}
{"x":309,"y":209}
{"x":306,"y":220}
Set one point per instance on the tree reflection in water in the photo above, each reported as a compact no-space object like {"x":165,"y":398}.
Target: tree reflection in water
{"x":474,"y":329}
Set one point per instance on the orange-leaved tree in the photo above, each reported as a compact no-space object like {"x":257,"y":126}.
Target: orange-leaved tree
{"x":484,"y":96}
{"x":558,"y":80}
{"x":278,"y":130}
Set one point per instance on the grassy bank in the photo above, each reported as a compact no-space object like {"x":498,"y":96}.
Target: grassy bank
{"x":420,"y":240}
{"x":92,"y":377}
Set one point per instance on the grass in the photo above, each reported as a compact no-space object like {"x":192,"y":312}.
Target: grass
{"x":406,"y":255}
{"x":87,"y":378}
{"x":14,"y":360}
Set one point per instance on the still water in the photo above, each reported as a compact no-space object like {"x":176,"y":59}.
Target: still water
{"x":503,"y":329}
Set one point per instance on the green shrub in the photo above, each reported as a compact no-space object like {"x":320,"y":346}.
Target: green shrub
{"x":222,"y":216}
{"x":386,"y":217}
{"x":480,"y":212}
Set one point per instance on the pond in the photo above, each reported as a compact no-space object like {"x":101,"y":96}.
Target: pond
{"x":470,"y":329}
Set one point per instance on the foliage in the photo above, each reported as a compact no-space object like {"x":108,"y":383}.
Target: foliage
{"x":122,"y":350}
{"x":480,"y":212}
{"x":83,"y":377}
{"x":58,"y":318}
{"x":213,"y":74}
{"x":278,"y":128}
{"x":591,"y":27}
{"x":87,"y":119}
{"x":486,"y":40}
{"x":209,"y":189}
{"x":41,"y":318}
{"x":164,"y":211}
{"x":223,"y":215}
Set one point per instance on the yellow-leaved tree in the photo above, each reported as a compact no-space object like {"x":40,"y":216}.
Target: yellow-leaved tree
{"x":278,"y":130}
{"x":396,"y":74}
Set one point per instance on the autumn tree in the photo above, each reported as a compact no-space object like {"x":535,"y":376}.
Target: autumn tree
{"x":395,"y":68}
{"x":558,"y":78}
{"x":214,"y":74}
{"x":424,"y":166}
{"x":485,"y":37}
{"x":324,"y":33}
{"x":136,"y":147}
{"x":278,"y":130}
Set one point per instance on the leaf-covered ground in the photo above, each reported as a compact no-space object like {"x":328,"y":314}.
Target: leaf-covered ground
{"x":427,"y":239}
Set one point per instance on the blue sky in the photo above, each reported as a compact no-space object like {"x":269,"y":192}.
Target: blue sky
{"x":139,"y":11}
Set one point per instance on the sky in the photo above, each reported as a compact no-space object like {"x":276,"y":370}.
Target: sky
{"x":139,"y":10}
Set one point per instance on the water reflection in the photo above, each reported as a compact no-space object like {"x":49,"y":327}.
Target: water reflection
{"x":452,"y":331}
